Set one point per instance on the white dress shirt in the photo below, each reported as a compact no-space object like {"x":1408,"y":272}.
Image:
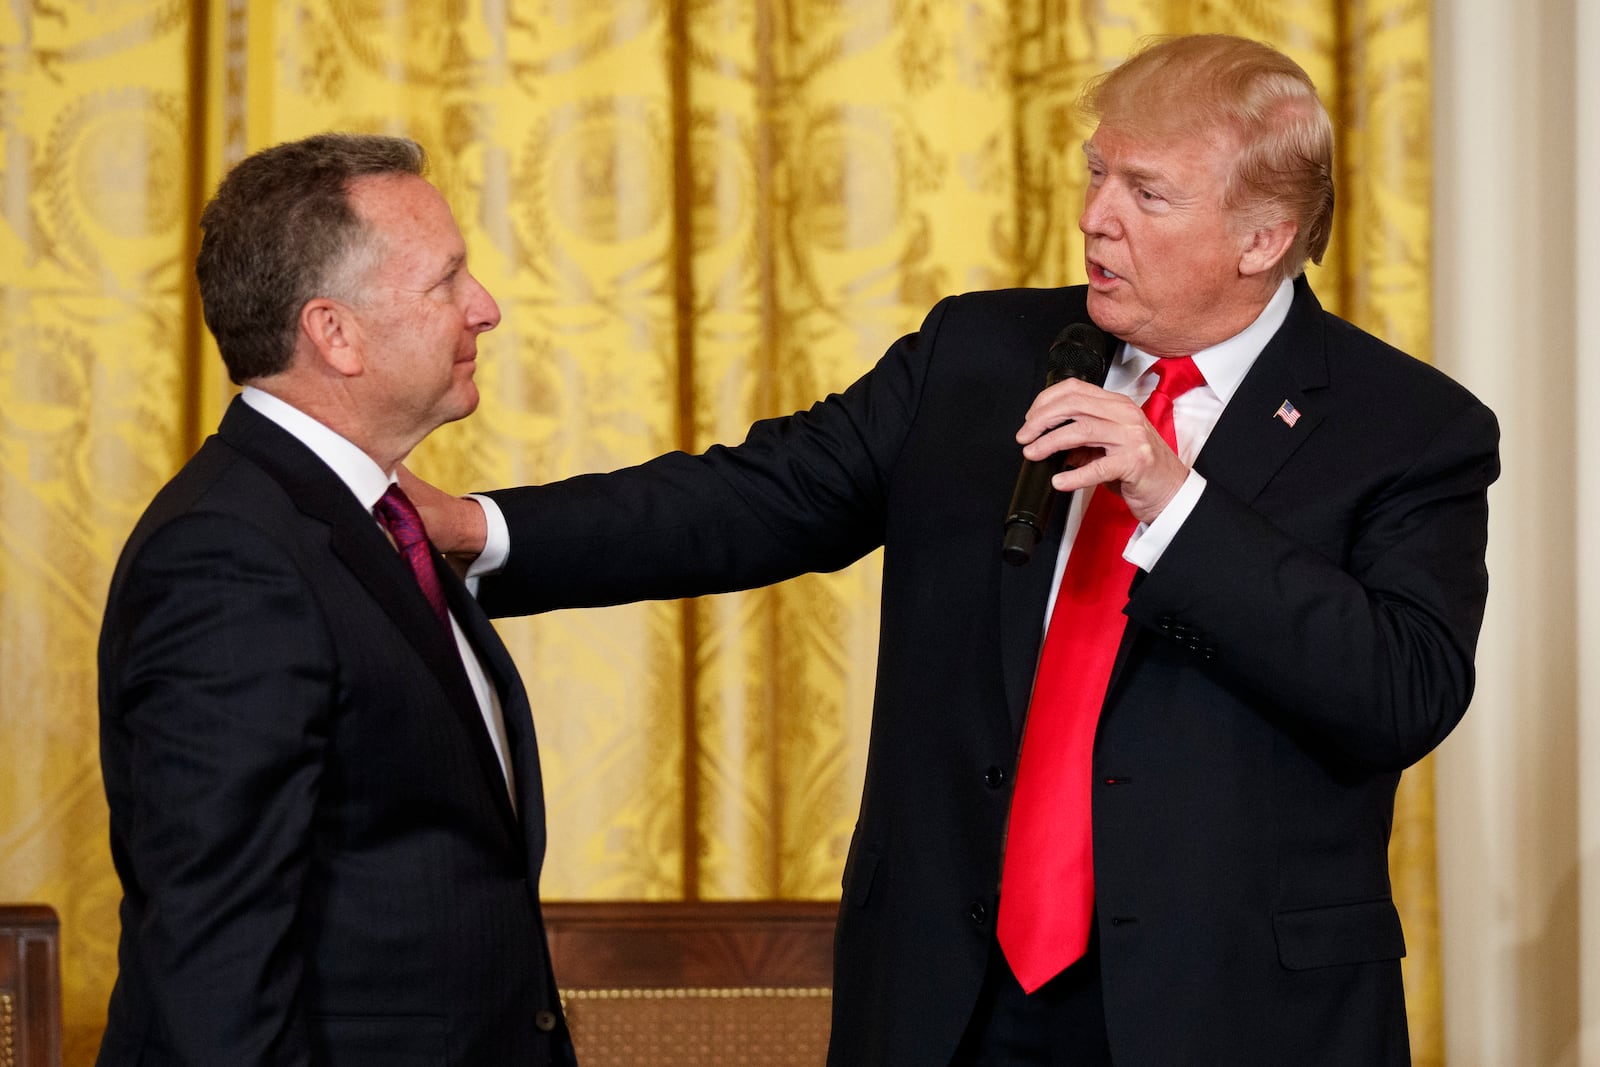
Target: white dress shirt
{"x":369,"y":482}
{"x":1194,"y":416}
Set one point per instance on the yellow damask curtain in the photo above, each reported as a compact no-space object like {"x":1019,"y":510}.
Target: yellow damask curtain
{"x":694,"y":214}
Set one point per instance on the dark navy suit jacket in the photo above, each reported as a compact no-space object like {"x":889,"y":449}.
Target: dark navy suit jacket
{"x":319,"y":857}
{"x":1307,"y":635}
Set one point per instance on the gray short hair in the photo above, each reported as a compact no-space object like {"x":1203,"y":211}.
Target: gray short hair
{"x":279,"y":231}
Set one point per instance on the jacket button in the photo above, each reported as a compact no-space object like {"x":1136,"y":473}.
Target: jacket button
{"x":978,"y":912}
{"x":993,"y":777}
{"x":545,"y":1020}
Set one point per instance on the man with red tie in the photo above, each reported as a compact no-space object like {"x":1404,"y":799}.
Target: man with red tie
{"x":324,"y":787}
{"x":1130,"y":802}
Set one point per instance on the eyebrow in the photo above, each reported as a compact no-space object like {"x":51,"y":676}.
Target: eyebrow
{"x":454,"y":263}
{"x":1136,"y":171}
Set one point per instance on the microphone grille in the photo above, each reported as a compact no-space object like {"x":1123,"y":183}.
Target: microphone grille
{"x":1079,"y":351}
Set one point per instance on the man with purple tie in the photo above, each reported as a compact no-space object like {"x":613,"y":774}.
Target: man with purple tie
{"x":324,"y":787}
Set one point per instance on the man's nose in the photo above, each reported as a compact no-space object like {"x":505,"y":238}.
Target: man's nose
{"x":483,"y":312}
{"x":1098,"y":216}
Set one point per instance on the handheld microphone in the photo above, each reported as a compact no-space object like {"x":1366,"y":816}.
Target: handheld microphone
{"x":1079,"y":351}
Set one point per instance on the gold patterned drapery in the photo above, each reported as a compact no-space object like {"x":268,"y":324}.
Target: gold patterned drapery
{"x":694,"y":214}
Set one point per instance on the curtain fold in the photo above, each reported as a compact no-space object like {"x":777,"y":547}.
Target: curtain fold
{"x":96,"y":221}
{"x":694,"y":214}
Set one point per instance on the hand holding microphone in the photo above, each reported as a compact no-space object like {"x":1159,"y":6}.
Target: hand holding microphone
{"x":1079,"y":351}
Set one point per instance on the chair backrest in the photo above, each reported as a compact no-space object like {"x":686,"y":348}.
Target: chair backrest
{"x":695,"y":983}
{"x":30,"y":986}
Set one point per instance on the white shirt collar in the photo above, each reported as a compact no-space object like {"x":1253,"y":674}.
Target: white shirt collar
{"x":1224,"y":365}
{"x":355,"y":468}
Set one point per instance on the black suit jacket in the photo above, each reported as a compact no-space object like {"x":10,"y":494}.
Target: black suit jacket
{"x":1308,"y":633}
{"x":320,"y":860}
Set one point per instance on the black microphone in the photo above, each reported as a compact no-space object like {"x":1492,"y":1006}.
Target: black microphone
{"x":1079,"y":351}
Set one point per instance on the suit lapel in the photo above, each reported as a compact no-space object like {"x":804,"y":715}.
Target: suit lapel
{"x":1249,"y":443}
{"x":1024,"y":592}
{"x":516,"y":712}
{"x":1025,"y":589}
{"x":354,"y":536}
{"x":359,"y":543}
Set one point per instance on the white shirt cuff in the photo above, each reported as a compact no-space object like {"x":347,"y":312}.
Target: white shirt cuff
{"x":1150,"y":541}
{"x":496,"y":543}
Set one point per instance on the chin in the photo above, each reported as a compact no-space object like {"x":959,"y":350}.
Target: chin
{"x":1103,"y":310}
{"x":463,"y":403}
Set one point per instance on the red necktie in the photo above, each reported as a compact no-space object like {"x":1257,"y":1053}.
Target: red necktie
{"x":1047,"y":883}
{"x":399,"y":516}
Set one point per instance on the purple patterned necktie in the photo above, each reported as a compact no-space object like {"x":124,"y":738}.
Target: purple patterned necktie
{"x":399,"y":516}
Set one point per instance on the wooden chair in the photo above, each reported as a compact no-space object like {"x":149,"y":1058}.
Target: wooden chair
{"x":30,"y":986}
{"x":696,"y":984}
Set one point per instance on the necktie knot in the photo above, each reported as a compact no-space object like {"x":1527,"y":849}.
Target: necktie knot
{"x":1175,"y":375}
{"x":399,"y":516}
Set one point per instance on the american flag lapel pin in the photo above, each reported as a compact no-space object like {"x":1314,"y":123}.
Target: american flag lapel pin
{"x":1288,"y":413}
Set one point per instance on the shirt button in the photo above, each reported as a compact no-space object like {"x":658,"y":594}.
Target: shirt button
{"x":978,"y":912}
{"x":545,"y":1020}
{"x":993,"y":777}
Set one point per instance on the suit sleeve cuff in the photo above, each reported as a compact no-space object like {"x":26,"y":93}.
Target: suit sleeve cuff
{"x":1150,"y":541}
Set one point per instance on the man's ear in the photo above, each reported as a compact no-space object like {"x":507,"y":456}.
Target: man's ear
{"x":1266,"y":247}
{"x":334,"y":334}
